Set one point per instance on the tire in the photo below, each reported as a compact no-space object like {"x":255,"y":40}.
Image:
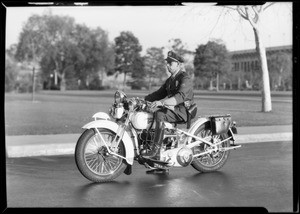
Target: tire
{"x":212,"y":163}
{"x":93,"y":160}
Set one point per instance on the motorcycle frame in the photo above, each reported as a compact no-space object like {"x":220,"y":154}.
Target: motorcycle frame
{"x":121,"y":130}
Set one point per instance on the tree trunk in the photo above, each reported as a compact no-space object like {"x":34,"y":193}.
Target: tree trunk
{"x":217,"y":86}
{"x":124,"y":82}
{"x":150,"y":83}
{"x":33,"y":83}
{"x":55,"y":78}
{"x":63,"y":82}
{"x":210,"y":84}
{"x":266,"y":94}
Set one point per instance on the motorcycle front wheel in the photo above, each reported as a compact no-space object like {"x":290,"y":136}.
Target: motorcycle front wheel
{"x":212,"y":161}
{"x":93,"y":159}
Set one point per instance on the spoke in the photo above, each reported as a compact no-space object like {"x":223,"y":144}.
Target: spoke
{"x":99,"y":139}
{"x":105,"y":166}
{"x":102,"y":167}
{"x":96,"y":162}
{"x":217,"y":138}
{"x":109,"y":166}
{"x":210,"y":160}
{"x":96,"y":142}
{"x":213,"y":160}
{"x":98,"y":167}
{"x":89,"y":160}
{"x":89,"y":155}
{"x":115,"y":161}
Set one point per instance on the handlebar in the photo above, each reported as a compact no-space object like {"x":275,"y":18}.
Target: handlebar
{"x":141,"y":103}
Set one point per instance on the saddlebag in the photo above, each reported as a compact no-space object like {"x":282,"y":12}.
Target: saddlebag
{"x":220,"y":124}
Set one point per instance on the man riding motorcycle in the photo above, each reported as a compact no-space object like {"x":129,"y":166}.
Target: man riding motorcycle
{"x":173,"y":99}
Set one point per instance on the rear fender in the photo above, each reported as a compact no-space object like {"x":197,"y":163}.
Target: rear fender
{"x":107,"y":124}
{"x":196,"y":125}
{"x":201,"y":121}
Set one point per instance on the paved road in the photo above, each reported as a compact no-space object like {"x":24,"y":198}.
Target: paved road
{"x":258,"y":174}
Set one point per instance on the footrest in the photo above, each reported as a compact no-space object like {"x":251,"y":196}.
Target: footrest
{"x":156,"y":161}
{"x":235,"y":146}
{"x":230,"y":147}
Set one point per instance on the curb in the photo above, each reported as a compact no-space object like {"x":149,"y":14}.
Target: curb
{"x":37,"y":146}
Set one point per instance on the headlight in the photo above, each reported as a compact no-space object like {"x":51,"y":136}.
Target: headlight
{"x":117,"y":111}
{"x":119,"y":96}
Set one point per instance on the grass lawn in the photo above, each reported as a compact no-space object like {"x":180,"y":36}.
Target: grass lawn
{"x":58,"y":113}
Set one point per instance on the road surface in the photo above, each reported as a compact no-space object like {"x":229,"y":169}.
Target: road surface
{"x":256,"y":175}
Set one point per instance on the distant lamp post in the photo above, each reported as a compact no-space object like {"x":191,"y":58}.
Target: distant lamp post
{"x":62,"y":83}
{"x":51,"y":76}
{"x":33,"y":83}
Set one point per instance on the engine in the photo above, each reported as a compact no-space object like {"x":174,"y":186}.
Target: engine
{"x":182,"y":156}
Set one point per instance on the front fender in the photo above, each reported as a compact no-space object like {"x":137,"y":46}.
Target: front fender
{"x":107,"y":124}
{"x":101,"y":116}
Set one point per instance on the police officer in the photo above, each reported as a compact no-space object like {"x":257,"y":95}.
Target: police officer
{"x":172,"y":100}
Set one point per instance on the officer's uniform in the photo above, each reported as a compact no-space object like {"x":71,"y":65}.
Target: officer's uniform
{"x":181,"y":88}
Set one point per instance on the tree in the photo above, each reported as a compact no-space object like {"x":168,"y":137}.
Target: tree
{"x":138,"y":74}
{"x":127,"y":53}
{"x":71,"y":51}
{"x":11,"y":72}
{"x":30,"y":46}
{"x":177,"y":46}
{"x":97,"y":52}
{"x":154,"y":64}
{"x":46,"y":34}
{"x":211,"y":60}
{"x":280,"y":67}
{"x":253,"y":15}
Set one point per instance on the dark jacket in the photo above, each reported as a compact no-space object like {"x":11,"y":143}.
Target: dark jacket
{"x":180,"y":87}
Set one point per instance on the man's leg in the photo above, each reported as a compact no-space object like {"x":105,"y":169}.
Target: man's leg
{"x":161,"y":115}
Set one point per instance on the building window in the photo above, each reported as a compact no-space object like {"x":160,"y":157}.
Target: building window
{"x":248,"y":66}
{"x":256,"y":65}
{"x":236,"y":66}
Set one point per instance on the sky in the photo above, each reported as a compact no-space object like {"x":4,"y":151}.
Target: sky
{"x":154,"y":26}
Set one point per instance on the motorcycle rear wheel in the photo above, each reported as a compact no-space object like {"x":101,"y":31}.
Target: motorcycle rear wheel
{"x":209,"y":162}
{"x":93,"y":160}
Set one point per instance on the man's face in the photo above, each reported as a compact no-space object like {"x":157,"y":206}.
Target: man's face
{"x":172,"y":66}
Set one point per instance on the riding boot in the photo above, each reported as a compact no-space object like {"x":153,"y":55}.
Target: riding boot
{"x":158,"y":139}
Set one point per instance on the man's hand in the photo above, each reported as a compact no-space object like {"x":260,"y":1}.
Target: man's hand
{"x":156,"y":104}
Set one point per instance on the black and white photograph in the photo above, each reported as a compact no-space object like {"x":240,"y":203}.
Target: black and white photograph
{"x":123,"y":105}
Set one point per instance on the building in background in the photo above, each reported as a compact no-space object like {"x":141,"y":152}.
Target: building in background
{"x":246,"y":66}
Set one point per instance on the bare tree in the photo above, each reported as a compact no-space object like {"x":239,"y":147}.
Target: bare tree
{"x":253,"y":13}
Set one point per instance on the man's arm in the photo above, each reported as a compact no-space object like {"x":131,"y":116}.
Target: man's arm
{"x":161,"y":93}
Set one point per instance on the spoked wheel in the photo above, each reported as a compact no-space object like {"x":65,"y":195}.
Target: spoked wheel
{"x":93,"y":159}
{"x":216,"y":158}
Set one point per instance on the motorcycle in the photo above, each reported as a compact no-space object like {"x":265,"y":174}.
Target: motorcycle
{"x":112,"y":142}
